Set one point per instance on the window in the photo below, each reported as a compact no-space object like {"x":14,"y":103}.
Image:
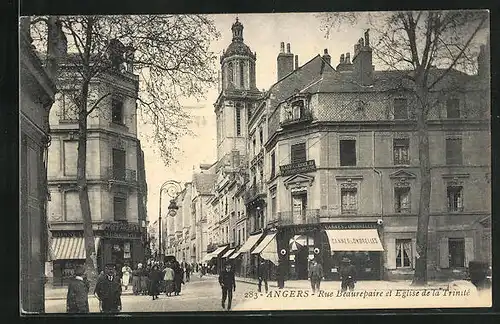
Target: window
{"x":299,"y":206}
{"x":349,"y":200}
{"x":261,"y":137}
{"x":401,"y":148}
{"x":453,"y":151}
{"x":69,"y":108}
{"x":233,"y":239}
{"x":230,"y":72}
{"x":403,"y":253}
{"x":298,"y":153}
{"x":238,"y":121}
{"x":273,"y":165}
{"x":297,"y":109}
{"x":452,"y":108}
{"x":244,"y":237}
{"x":347,"y":152}
{"x":249,"y":112}
{"x":273,"y":203}
{"x":242,"y":74}
{"x":456,"y":247}
{"x":118,"y":164}
{"x":252,"y":74}
{"x":120,"y":208}
{"x":239,"y":237}
{"x":402,"y":200}
{"x":400,"y":109}
{"x":455,"y":199}
{"x":254,"y":145}
{"x":117,"y":111}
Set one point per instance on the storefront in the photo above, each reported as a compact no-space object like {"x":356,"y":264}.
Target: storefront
{"x":329,"y":243}
{"x":248,"y":262}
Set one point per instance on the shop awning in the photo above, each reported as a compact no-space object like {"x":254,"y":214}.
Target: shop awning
{"x":265,"y":242}
{"x":208,"y":257}
{"x":218,"y":251}
{"x":250,"y":242}
{"x":235,"y":255}
{"x":70,"y":248}
{"x":228,"y":253}
{"x":354,"y":240}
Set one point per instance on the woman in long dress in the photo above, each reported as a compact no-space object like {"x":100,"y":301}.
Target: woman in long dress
{"x":126,"y":272}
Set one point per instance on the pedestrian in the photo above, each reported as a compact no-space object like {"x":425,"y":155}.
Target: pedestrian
{"x":154,"y":282}
{"x":136,"y":279}
{"x":145,"y":280}
{"x":188,"y":272}
{"x":281,"y":274}
{"x":228,"y":284}
{"x":126,"y":272}
{"x":315,"y":275}
{"x":77,"y":300}
{"x":108,"y":291}
{"x":178,"y":281}
{"x":347,"y":275}
{"x":169,"y":280}
{"x":263,"y":274}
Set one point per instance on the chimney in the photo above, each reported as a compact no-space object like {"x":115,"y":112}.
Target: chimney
{"x":362,"y":61}
{"x":296,"y":62}
{"x":341,"y":59}
{"x":327,"y":56}
{"x":483,"y":61}
{"x":347,"y":58}
{"x":285,"y":61}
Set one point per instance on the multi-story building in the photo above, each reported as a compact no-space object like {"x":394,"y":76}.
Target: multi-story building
{"x":115,"y":172}
{"x":179,"y":227}
{"x":36,"y":97}
{"x":344,"y":169}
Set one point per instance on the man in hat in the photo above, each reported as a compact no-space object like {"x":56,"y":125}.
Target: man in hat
{"x":263,"y":272}
{"x":347,"y":274}
{"x":108,"y":290}
{"x":77,"y":300}
{"x":315,"y":275}
{"x":228,"y":284}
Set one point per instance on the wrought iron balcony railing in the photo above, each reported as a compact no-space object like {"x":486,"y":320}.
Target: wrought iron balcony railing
{"x":305,"y":216}
{"x":119,"y":174}
{"x":255,"y":191}
{"x":291,"y":119}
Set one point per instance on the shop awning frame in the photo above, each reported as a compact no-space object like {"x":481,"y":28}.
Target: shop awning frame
{"x":235,"y":255}
{"x":228,"y":253}
{"x":354,"y":240}
{"x":218,"y":251}
{"x":208,"y":257}
{"x":265,"y":242}
{"x":70,"y":248}
{"x":250,"y":242}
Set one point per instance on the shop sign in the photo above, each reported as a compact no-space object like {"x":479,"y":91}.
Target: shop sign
{"x":295,"y":168}
{"x":120,"y":235}
{"x":350,"y":226}
{"x":122,"y":227}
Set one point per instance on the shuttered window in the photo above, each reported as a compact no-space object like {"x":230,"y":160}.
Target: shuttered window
{"x":453,"y":151}
{"x":298,"y":153}
{"x":349,"y":200}
{"x":120,"y":208}
{"x":455,"y":199}
{"x":401,"y":148}
{"x":404,"y":253}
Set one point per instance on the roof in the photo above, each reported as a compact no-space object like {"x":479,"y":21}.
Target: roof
{"x":204,"y":182}
{"x":299,"y":79}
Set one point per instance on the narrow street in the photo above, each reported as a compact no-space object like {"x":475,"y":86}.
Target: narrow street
{"x":200,"y":294}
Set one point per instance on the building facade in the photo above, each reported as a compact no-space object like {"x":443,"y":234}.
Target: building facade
{"x":344,"y":154}
{"x":115,"y":173}
{"x":36,"y":98}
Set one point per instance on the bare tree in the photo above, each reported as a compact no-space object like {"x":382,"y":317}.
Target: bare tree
{"x":425,"y":47}
{"x":171,"y":54}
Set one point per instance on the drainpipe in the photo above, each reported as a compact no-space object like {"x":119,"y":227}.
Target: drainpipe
{"x":381,"y":187}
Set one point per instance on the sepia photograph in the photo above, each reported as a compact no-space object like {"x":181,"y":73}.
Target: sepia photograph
{"x":255,"y":162}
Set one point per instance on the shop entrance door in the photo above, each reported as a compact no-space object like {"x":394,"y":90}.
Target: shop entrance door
{"x":302,"y":262}
{"x":117,"y":257}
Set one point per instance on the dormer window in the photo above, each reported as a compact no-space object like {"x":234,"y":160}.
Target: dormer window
{"x":296,"y":112}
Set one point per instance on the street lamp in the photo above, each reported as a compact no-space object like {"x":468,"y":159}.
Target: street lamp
{"x":173,"y":188}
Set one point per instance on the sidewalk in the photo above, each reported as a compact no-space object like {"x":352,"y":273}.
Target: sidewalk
{"x":60,"y":293}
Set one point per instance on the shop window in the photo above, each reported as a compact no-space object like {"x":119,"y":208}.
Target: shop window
{"x":400,"y":108}
{"x":117,"y":111}
{"x":401,"y":149}
{"x":347,"y":152}
{"x":455,"y":198}
{"x":120,"y":208}
{"x":349,"y":200}
{"x":402,"y":200}
{"x":452,"y":108}
{"x":453,"y":151}
{"x":298,"y":153}
{"x":403,"y":253}
{"x":456,"y":248}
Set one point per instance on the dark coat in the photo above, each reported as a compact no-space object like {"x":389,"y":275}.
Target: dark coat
{"x":155,"y":277}
{"x":263,"y":270}
{"x":77,"y":300}
{"x":109,"y":293}
{"x":347,"y":270}
{"x":316,"y":271}
{"x":227,"y":280}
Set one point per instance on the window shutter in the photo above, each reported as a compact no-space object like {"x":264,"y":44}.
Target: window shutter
{"x":391,"y":253}
{"x":414,"y":252}
{"x":469,"y":250}
{"x":444,"y":261}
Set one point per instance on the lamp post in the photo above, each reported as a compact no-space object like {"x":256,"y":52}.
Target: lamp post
{"x":173,"y":188}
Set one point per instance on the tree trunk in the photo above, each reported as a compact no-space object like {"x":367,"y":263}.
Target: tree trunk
{"x":420,"y":276}
{"x":88,"y":232}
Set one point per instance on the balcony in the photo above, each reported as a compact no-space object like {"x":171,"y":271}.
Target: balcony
{"x":121,"y":175}
{"x":306,"y":216}
{"x":298,"y":167}
{"x":289,"y":119}
{"x":257,"y":158}
{"x":254,"y":192}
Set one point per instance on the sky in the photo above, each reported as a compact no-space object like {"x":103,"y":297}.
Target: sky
{"x":263,"y":33}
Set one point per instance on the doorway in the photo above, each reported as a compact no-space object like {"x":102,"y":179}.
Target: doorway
{"x":117,"y":256}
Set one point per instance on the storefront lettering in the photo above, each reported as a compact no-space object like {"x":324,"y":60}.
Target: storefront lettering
{"x":120,"y":235}
{"x":122,"y":227}
{"x":354,"y":240}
